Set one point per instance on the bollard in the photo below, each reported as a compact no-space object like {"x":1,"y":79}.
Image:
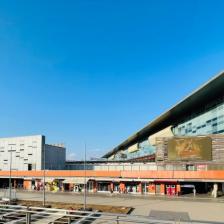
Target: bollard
{"x":117,"y":219}
{"x":28,"y":218}
{"x":69,"y":220}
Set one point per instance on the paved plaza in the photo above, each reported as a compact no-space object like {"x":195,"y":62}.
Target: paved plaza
{"x":198,"y":209}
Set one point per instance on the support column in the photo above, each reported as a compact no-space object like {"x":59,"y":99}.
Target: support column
{"x":95,"y":186}
{"x":111,"y":186}
{"x":15,"y":184}
{"x":162,"y":189}
{"x":140,"y":188}
{"x":215,"y":190}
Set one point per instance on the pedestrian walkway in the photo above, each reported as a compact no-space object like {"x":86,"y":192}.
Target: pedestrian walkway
{"x":190,"y":197}
{"x":198,"y":209}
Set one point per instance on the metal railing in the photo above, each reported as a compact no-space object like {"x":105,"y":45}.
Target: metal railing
{"x":10,"y":193}
{"x":27,"y":215}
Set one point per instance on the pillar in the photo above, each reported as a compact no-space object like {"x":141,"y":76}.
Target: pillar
{"x":162,"y":189}
{"x":15,"y":184}
{"x":95,"y":187}
{"x":122,"y":187}
{"x":140,"y":188}
{"x":215,"y":190}
{"x":111,"y":186}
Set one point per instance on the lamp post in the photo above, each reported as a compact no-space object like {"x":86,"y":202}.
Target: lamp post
{"x":10,"y":176}
{"x":85,"y":178}
{"x":44,"y":196}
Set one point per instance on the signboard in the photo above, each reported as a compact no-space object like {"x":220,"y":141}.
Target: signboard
{"x":190,"y":148}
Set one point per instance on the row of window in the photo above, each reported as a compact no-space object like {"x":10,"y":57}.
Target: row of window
{"x":210,"y":122}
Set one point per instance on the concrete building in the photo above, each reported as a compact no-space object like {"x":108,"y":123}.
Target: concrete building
{"x":27,"y":153}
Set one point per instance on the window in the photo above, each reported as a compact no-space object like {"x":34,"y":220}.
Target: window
{"x":29,"y":166}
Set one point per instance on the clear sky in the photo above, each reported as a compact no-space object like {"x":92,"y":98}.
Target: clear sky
{"x":97,"y":71}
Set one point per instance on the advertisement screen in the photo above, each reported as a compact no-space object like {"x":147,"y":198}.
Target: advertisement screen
{"x":190,"y":148}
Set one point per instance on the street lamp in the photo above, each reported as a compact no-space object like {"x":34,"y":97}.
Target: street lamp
{"x":44,"y":196}
{"x":85,"y":178}
{"x":10,"y":176}
{"x":10,"y":172}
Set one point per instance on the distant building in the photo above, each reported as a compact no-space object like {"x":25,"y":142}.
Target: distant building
{"x":27,"y":153}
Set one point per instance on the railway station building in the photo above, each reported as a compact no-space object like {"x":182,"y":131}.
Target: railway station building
{"x":179,"y":152}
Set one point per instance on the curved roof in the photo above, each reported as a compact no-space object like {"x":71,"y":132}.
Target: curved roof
{"x":211,"y":90}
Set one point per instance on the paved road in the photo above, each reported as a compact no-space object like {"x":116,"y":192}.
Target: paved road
{"x":197,"y":210}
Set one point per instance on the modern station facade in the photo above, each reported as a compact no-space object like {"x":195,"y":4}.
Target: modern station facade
{"x":188,"y":137}
{"x":181,"y":151}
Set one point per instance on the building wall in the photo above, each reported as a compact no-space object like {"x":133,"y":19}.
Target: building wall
{"x":209,"y":121}
{"x":27,"y":153}
{"x":113,"y":166}
{"x":55,"y":157}
{"x":167,"y":132}
{"x":25,"y":150}
{"x":151,"y":166}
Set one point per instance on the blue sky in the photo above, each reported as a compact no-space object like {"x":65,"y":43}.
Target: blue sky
{"x":97,"y":71}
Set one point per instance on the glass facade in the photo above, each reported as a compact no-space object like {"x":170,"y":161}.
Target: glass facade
{"x":144,"y":149}
{"x":208,"y":122}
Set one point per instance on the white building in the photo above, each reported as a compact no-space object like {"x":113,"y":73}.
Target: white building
{"x":27,"y":153}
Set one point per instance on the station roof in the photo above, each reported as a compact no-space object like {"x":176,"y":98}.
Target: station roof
{"x":205,"y":94}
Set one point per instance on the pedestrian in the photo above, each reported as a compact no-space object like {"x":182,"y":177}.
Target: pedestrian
{"x":194,"y":192}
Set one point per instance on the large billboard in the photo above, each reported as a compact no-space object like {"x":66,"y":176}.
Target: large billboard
{"x":190,"y":148}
